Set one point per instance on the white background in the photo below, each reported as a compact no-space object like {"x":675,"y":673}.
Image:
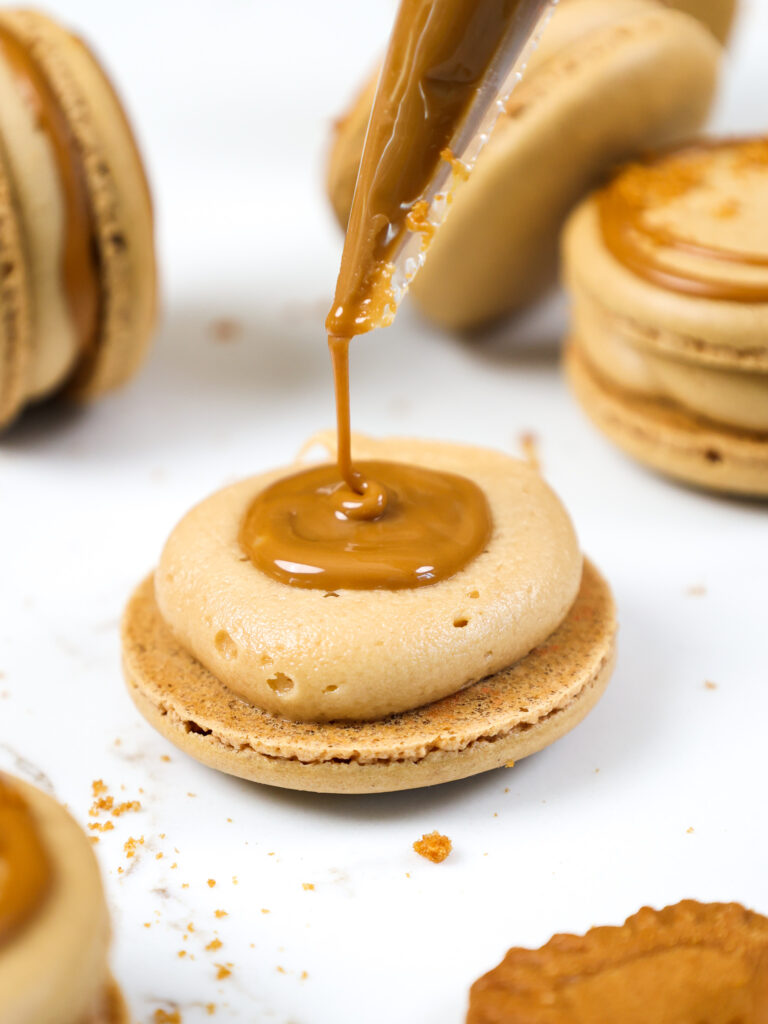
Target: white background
{"x":233,"y":102}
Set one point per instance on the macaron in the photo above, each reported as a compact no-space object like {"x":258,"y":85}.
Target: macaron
{"x":610,"y":79}
{"x":373,"y":691}
{"x":667,"y":267}
{"x":718,"y":15}
{"x":78,"y":290}
{"x":54,"y":924}
{"x":688,"y":962}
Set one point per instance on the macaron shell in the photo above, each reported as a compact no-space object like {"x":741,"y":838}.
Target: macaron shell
{"x":15,"y":306}
{"x":500,"y":719}
{"x":37,"y":190}
{"x":119,"y":196}
{"x":69,"y":934}
{"x":716,"y":14}
{"x":668,"y":439}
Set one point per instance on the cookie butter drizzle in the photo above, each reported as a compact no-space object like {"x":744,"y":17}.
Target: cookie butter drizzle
{"x":386,"y":525}
{"x":25,"y":873}
{"x":79,"y":271}
{"x":640,"y":246}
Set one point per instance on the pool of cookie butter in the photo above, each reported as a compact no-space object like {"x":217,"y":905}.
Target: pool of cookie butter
{"x":410,"y":528}
{"x":25,"y":871}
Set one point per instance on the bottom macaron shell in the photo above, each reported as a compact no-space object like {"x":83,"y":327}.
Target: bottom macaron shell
{"x":668,"y":439}
{"x":499,"y":719}
{"x":114,"y":1009}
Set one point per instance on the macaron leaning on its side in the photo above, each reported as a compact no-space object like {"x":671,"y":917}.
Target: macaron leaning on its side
{"x":610,"y":79}
{"x":78,"y":289}
{"x":668,"y":271}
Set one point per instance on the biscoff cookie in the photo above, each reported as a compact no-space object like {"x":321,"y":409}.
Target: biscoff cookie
{"x":689,"y":962}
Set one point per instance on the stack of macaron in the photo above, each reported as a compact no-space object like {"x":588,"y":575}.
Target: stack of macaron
{"x":78,"y":284}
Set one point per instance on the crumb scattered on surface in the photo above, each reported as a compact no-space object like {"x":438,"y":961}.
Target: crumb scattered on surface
{"x":167,"y":1017}
{"x":223,"y":971}
{"x":131,"y":844}
{"x":697,"y":590}
{"x":529,"y":444}
{"x":164,"y":757}
{"x":225,"y":329}
{"x":220,"y":913}
{"x":213,"y":945}
{"x":308,"y":885}
{"x":303,"y":976}
{"x":709,"y":685}
{"x":125,"y":807}
{"x":689,"y":830}
{"x":210,"y":1009}
{"x":211,"y":882}
{"x":100,"y":826}
{"x":264,"y":910}
{"x":510,"y":764}
{"x":280,"y":970}
{"x":433,"y":846}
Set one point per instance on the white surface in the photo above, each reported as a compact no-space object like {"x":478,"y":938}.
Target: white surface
{"x":233,"y":103}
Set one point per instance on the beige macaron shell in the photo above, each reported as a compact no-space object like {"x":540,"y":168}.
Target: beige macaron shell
{"x":15,"y":323}
{"x":365,"y":654}
{"x":610,"y":78}
{"x":494,"y":722}
{"x":668,"y":439}
{"x":119,"y":197}
{"x":55,"y":970}
{"x":735,"y":398}
{"x":37,"y":188}
{"x":716,"y":14}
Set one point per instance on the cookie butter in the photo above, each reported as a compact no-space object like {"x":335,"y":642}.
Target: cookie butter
{"x":321,"y":654}
{"x":404,"y":527}
{"x":25,"y":870}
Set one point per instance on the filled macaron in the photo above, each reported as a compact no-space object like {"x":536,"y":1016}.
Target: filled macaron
{"x":54,"y":924}
{"x":667,"y":267}
{"x":78,"y":287}
{"x":609,"y":79}
{"x":366,"y":690}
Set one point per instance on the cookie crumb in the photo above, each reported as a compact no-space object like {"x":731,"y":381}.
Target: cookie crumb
{"x":223,"y":971}
{"x":709,"y":685}
{"x":220,"y":913}
{"x":433,"y":846}
{"x":213,"y":945}
{"x":131,"y":844}
{"x":167,"y":1017}
{"x":510,"y":764}
{"x":308,"y":885}
{"x":529,"y":443}
{"x":689,"y":830}
{"x":225,"y":329}
{"x":211,"y":882}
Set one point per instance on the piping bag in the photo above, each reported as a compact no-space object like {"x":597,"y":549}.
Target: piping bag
{"x":448,"y":72}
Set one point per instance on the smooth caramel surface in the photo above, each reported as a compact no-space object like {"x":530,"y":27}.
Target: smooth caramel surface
{"x":25,"y":870}
{"x":412,"y":527}
{"x":653,"y":250}
{"x":79,"y":270}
